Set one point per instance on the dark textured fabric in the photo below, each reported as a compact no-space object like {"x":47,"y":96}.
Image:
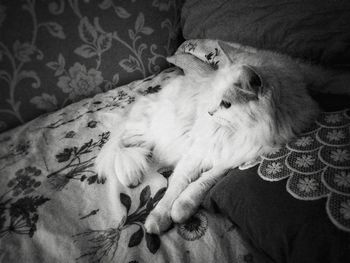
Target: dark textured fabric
{"x":279,"y":227}
{"x":316,"y":30}
{"x":53,"y":53}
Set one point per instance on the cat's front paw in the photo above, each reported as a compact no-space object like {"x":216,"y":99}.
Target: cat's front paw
{"x":157,"y":222}
{"x":182,"y":210}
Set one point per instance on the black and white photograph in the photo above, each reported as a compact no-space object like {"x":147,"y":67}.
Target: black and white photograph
{"x":174,"y":131}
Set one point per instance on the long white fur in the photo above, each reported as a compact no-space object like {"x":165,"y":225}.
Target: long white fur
{"x":174,"y":125}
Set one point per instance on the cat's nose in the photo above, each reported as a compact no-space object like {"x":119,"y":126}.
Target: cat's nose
{"x":212,"y":110}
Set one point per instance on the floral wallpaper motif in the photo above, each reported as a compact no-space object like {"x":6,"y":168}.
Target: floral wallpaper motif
{"x":56,"y":52}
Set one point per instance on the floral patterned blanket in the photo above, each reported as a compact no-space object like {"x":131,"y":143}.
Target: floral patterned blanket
{"x":53,"y":208}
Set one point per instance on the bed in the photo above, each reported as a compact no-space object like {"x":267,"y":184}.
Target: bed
{"x":291,"y":206}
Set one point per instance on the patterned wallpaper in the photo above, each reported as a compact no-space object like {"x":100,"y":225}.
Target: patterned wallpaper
{"x":55,"y":52}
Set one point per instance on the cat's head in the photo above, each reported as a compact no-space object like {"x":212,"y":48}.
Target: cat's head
{"x":235,"y":88}
{"x":231,"y":87}
{"x":253,"y":90}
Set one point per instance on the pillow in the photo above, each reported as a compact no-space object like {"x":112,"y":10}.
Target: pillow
{"x":316,"y":30}
{"x":278,"y":227}
{"x":294,"y":220}
{"x":53,"y":53}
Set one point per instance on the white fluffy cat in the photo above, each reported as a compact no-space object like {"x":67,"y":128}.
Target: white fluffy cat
{"x":209,"y":121}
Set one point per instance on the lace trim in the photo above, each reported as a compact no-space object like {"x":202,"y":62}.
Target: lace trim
{"x":317,"y":165}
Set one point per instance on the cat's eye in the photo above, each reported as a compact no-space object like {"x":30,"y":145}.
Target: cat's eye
{"x":225,"y":104}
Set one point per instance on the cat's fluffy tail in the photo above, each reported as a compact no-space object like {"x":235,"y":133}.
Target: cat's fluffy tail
{"x":127,"y":163}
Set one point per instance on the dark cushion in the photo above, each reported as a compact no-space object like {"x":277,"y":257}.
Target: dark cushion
{"x":278,"y":227}
{"x":53,"y":53}
{"x":316,"y":30}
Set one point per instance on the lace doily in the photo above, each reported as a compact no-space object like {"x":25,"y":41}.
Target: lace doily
{"x":317,"y":165}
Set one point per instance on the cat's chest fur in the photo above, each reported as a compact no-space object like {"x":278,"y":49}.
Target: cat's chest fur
{"x":179,"y":123}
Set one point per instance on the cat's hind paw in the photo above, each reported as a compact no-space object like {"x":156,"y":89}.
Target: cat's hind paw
{"x":130,"y":180}
{"x":128,"y":164}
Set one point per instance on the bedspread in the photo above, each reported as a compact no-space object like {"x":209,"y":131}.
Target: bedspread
{"x":53,"y":208}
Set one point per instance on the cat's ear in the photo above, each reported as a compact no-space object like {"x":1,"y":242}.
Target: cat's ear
{"x":251,"y":81}
{"x":191,"y":65}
